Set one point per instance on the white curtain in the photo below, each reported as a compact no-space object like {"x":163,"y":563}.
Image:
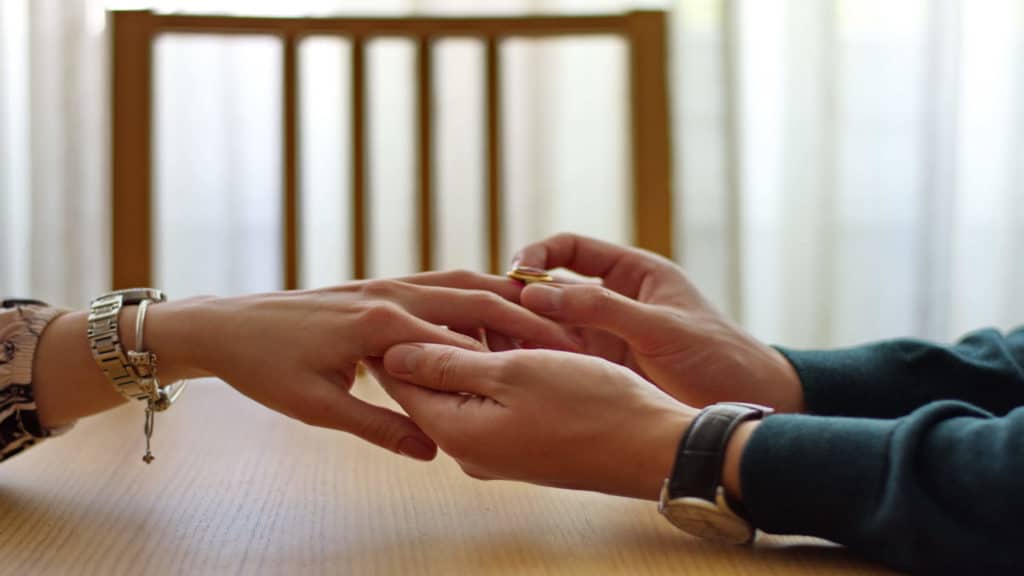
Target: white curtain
{"x":852,"y":169}
{"x":54,"y":227}
{"x":845,"y":170}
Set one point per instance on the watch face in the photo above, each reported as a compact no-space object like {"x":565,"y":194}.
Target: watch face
{"x":705,"y":519}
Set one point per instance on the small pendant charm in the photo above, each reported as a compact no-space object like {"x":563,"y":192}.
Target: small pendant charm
{"x":148,"y":429}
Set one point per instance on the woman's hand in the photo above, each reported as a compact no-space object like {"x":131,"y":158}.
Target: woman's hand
{"x":645,"y":314}
{"x":551,"y":418}
{"x":297,"y":352}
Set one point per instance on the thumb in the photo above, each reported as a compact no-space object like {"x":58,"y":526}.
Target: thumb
{"x":643,"y":326}
{"x":380,"y":426}
{"x":445,"y":368}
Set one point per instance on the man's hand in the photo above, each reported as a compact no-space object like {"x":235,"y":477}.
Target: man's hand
{"x":550,"y":418}
{"x":646,"y":315}
{"x":297,"y":352}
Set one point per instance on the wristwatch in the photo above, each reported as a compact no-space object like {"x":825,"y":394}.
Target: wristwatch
{"x":125,"y":370}
{"x":693,"y":498}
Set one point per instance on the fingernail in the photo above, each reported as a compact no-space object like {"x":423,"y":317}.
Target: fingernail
{"x":546,"y":298}
{"x":403,"y":359}
{"x":415,"y":448}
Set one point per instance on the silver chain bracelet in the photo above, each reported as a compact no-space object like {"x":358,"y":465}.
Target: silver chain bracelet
{"x":133,"y":375}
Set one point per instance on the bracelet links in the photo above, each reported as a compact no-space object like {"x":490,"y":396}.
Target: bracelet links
{"x":133,"y":373}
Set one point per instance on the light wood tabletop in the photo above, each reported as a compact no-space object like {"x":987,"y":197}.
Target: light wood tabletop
{"x":238,"y":489}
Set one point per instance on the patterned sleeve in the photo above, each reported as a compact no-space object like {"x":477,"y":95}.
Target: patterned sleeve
{"x":20,"y":328}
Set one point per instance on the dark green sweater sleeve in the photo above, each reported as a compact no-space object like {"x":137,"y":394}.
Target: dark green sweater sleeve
{"x":938,"y":488}
{"x":895,"y":377}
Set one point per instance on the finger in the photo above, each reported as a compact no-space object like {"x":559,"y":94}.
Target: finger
{"x":447,"y":416}
{"x":467,"y":280}
{"x":444,"y":368}
{"x":327,"y":408}
{"x":455,"y":421}
{"x":587,"y":256}
{"x":422,"y":404}
{"x":595,"y":306}
{"x":385,"y":324}
{"x":387,"y":429}
{"x":468,"y":310}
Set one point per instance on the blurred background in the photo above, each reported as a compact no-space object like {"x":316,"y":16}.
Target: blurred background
{"x":844,"y":170}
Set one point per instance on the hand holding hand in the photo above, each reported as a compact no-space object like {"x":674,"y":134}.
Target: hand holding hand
{"x":646,"y":315}
{"x":550,"y":418}
{"x":297,"y":352}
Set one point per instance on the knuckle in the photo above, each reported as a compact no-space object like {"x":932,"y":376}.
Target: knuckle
{"x":447,"y":366}
{"x":380,"y":288}
{"x":380,"y":312}
{"x":648,"y":262}
{"x":596,"y":299}
{"x":458,"y":278}
{"x":485,"y":299}
{"x":463,"y":276}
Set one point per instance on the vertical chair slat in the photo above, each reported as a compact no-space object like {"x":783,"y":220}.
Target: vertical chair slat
{"x":493,"y":79}
{"x":359,"y":212}
{"x":652,"y":168}
{"x":425,"y":112}
{"x":130,"y":142}
{"x":290,"y":160}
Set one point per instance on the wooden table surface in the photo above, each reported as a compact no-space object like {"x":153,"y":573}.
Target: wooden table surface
{"x":238,"y":489}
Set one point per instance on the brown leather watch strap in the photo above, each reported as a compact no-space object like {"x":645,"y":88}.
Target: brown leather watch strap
{"x":698,"y":467}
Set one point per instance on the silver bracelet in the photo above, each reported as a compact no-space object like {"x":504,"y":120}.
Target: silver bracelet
{"x":133,"y":375}
{"x":164,"y":397}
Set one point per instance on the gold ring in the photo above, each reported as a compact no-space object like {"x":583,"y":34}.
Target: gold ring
{"x":529,"y":275}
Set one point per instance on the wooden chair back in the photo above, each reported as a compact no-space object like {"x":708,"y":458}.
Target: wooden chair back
{"x":132,"y":105}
